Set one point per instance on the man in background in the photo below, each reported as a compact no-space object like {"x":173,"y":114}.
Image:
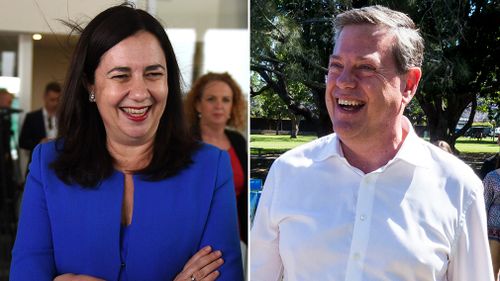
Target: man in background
{"x":41,"y":125}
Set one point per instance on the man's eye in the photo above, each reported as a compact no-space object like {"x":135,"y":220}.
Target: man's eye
{"x":336,"y":65}
{"x":366,"y":67}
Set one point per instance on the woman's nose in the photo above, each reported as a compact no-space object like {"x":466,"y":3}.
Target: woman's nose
{"x":139,"y":89}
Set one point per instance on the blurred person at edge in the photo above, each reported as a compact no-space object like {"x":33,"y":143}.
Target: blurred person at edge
{"x":6,"y":162}
{"x":124,"y":192}
{"x":215,"y":103}
{"x":6,"y":99}
{"x":489,"y":165}
{"x":40,"y":125}
{"x":372,"y":201}
{"x":492,"y":201}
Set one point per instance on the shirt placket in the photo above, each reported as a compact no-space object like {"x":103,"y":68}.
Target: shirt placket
{"x":362,"y":226}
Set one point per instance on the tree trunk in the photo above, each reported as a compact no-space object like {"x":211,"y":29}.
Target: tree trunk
{"x":278,"y":123}
{"x":442,"y":120}
{"x":295,"y":120}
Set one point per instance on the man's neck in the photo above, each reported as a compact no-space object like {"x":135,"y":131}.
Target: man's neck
{"x":49,"y":113}
{"x":370,"y":155}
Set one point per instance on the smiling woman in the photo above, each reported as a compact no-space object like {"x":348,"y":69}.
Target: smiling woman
{"x":131,"y":89}
{"x":125,"y":192}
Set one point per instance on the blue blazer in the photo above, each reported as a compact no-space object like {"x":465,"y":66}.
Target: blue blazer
{"x":68,"y":229}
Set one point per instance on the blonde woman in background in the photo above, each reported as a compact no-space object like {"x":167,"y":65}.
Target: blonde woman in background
{"x":215,"y":103}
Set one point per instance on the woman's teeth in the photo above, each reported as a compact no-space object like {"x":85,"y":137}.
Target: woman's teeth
{"x":135,"y":111}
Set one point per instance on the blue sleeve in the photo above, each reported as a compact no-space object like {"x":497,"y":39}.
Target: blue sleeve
{"x":33,"y":255}
{"x":221,"y":230}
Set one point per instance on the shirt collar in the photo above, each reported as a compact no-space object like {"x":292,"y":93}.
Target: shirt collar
{"x":329,"y":146}
{"x":412,"y":151}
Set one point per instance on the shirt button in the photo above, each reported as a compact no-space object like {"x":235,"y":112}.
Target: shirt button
{"x":356,"y":256}
{"x":362,"y":217}
{"x":123,"y":264}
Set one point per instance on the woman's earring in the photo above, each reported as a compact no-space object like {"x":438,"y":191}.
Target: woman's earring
{"x":92,"y":96}
{"x":199,"y":115}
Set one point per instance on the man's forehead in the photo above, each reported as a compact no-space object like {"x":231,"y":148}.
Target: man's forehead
{"x":363,"y":39}
{"x":379,"y":32}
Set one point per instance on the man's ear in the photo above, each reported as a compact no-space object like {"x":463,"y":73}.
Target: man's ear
{"x":411,"y":83}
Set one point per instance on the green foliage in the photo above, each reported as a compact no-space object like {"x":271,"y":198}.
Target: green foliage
{"x":268,"y":105}
{"x":291,"y":43}
{"x":415,"y":113}
{"x":292,"y":40}
{"x":491,"y":106}
{"x":461,"y":60}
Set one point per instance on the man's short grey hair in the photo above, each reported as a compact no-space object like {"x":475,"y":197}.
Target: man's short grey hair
{"x":408,"y":49}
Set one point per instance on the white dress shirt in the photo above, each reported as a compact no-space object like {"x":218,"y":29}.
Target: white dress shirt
{"x":420,"y":217}
{"x":50,"y":124}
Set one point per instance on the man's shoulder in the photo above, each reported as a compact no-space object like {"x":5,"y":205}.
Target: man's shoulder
{"x":35,"y":113}
{"x":450,"y":166}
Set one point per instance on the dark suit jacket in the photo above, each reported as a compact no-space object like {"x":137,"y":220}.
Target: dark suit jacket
{"x":33,"y":130}
{"x":239,"y":143}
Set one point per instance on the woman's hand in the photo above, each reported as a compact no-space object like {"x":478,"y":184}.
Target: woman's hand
{"x":202,"y":266}
{"x":74,"y":277}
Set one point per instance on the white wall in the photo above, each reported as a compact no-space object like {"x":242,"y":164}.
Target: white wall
{"x":42,"y":15}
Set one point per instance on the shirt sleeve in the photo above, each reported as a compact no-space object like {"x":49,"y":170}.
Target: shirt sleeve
{"x":33,"y":255}
{"x":470,"y":259}
{"x":221,"y":230}
{"x":265,"y":260}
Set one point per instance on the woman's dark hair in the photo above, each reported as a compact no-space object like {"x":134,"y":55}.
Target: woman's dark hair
{"x":83,"y":156}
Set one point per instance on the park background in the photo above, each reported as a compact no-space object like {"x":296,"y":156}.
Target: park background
{"x":457,"y":101}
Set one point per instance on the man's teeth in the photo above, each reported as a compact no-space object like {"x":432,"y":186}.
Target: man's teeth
{"x":349,"y":102}
{"x":135,"y":111}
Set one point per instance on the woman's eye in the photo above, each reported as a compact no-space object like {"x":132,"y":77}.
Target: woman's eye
{"x":154,"y":74}
{"x":120,"y":76}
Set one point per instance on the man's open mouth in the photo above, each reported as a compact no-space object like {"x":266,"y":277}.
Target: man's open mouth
{"x":350,"y":105}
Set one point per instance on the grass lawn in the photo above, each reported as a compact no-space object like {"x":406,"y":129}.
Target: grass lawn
{"x":282,"y":143}
{"x":276,"y":144}
{"x":467,"y":145}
